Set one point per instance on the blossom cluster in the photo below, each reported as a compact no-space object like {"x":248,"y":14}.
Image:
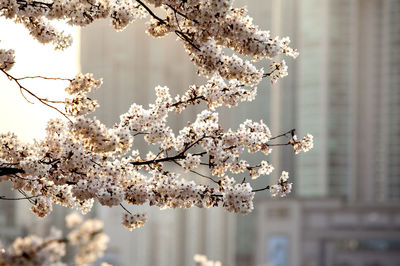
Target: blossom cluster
{"x":80,"y":104}
{"x":209,"y":26}
{"x":217,"y":92}
{"x":264,"y":168}
{"x":33,"y":250}
{"x":36,"y":16}
{"x":82,"y":160}
{"x":305,"y":144}
{"x":44,"y":32}
{"x":283,"y":187}
{"x":205,"y":27}
{"x":132,"y":221}
{"x":7,"y":59}
{"x":202,"y":260}
{"x":89,"y":238}
{"x":238,"y":198}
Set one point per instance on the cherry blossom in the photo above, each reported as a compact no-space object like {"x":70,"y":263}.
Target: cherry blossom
{"x":202,"y":260}
{"x":87,"y":237}
{"x":81,"y":160}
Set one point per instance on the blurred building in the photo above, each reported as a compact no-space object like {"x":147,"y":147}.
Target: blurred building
{"x":327,"y":232}
{"x":347,"y":79}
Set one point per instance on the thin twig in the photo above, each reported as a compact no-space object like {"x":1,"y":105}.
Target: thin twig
{"x":24,"y":198}
{"x":261,"y":189}
{"x":180,"y":13}
{"x":41,"y":77}
{"x":278,"y":144}
{"x":284,"y":134}
{"x":123,"y":207}
{"x":162,"y":21}
{"x":184,"y":37}
{"x":197,"y":173}
{"x":43,"y":101}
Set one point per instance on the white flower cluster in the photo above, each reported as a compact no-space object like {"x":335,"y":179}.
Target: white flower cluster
{"x":209,"y":26}
{"x":79,"y":86}
{"x":264,"y":168}
{"x":44,"y":32}
{"x":205,"y":27}
{"x":132,"y":221}
{"x":305,"y":144}
{"x":237,"y":198}
{"x":278,"y":70}
{"x":191,"y":161}
{"x":83,"y":84}
{"x":73,"y":219}
{"x":82,"y":160}
{"x":283,"y":187}
{"x":89,"y":239}
{"x":35,"y":251}
{"x":7,"y":59}
{"x":202,"y":260}
{"x":80,"y":105}
{"x":35,"y":16}
{"x":49,"y":251}
{"x":168,"y":191}
{"x":215,"y":93}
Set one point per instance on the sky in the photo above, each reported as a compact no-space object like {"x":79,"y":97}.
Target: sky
{"x":32,"y":58}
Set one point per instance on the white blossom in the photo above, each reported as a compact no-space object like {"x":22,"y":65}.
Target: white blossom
{"x":81,"y":160}
{"x":73,"y":219}
{"x":7,"y":59}
{"x":33,"y":250}
{"x":283,"y":187}
{"x":202,"y":260}
{"x":132,"y":221}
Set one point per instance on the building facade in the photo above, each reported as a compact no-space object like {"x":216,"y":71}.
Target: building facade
{"x":345,"y":208}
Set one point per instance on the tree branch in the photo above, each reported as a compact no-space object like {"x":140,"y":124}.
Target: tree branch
{"x":42,"y":100}
{"x":10,"y":171}
{"x":162,"y":21}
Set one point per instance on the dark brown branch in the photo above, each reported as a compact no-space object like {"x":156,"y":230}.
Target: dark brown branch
{"x":27,"y":197}
{"x":10,"y":171}
{"x":23,"y":4}
{"x":184,"y":37}
{"x":188,"y":101}
{"x":270,"y":73}
{"x":23,"y":198}
{"x":123,"y":207}
{"x":179,"y":156}
{"x":284,"y":134}
{"x":165,"y":159}
{"x":261,"y":189}
{"x":162,"y":21}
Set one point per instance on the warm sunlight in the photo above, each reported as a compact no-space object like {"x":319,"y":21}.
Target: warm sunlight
{"x":25,"y":119}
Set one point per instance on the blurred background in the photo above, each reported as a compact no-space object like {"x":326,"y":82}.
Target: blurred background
{"x":344,"y":89}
